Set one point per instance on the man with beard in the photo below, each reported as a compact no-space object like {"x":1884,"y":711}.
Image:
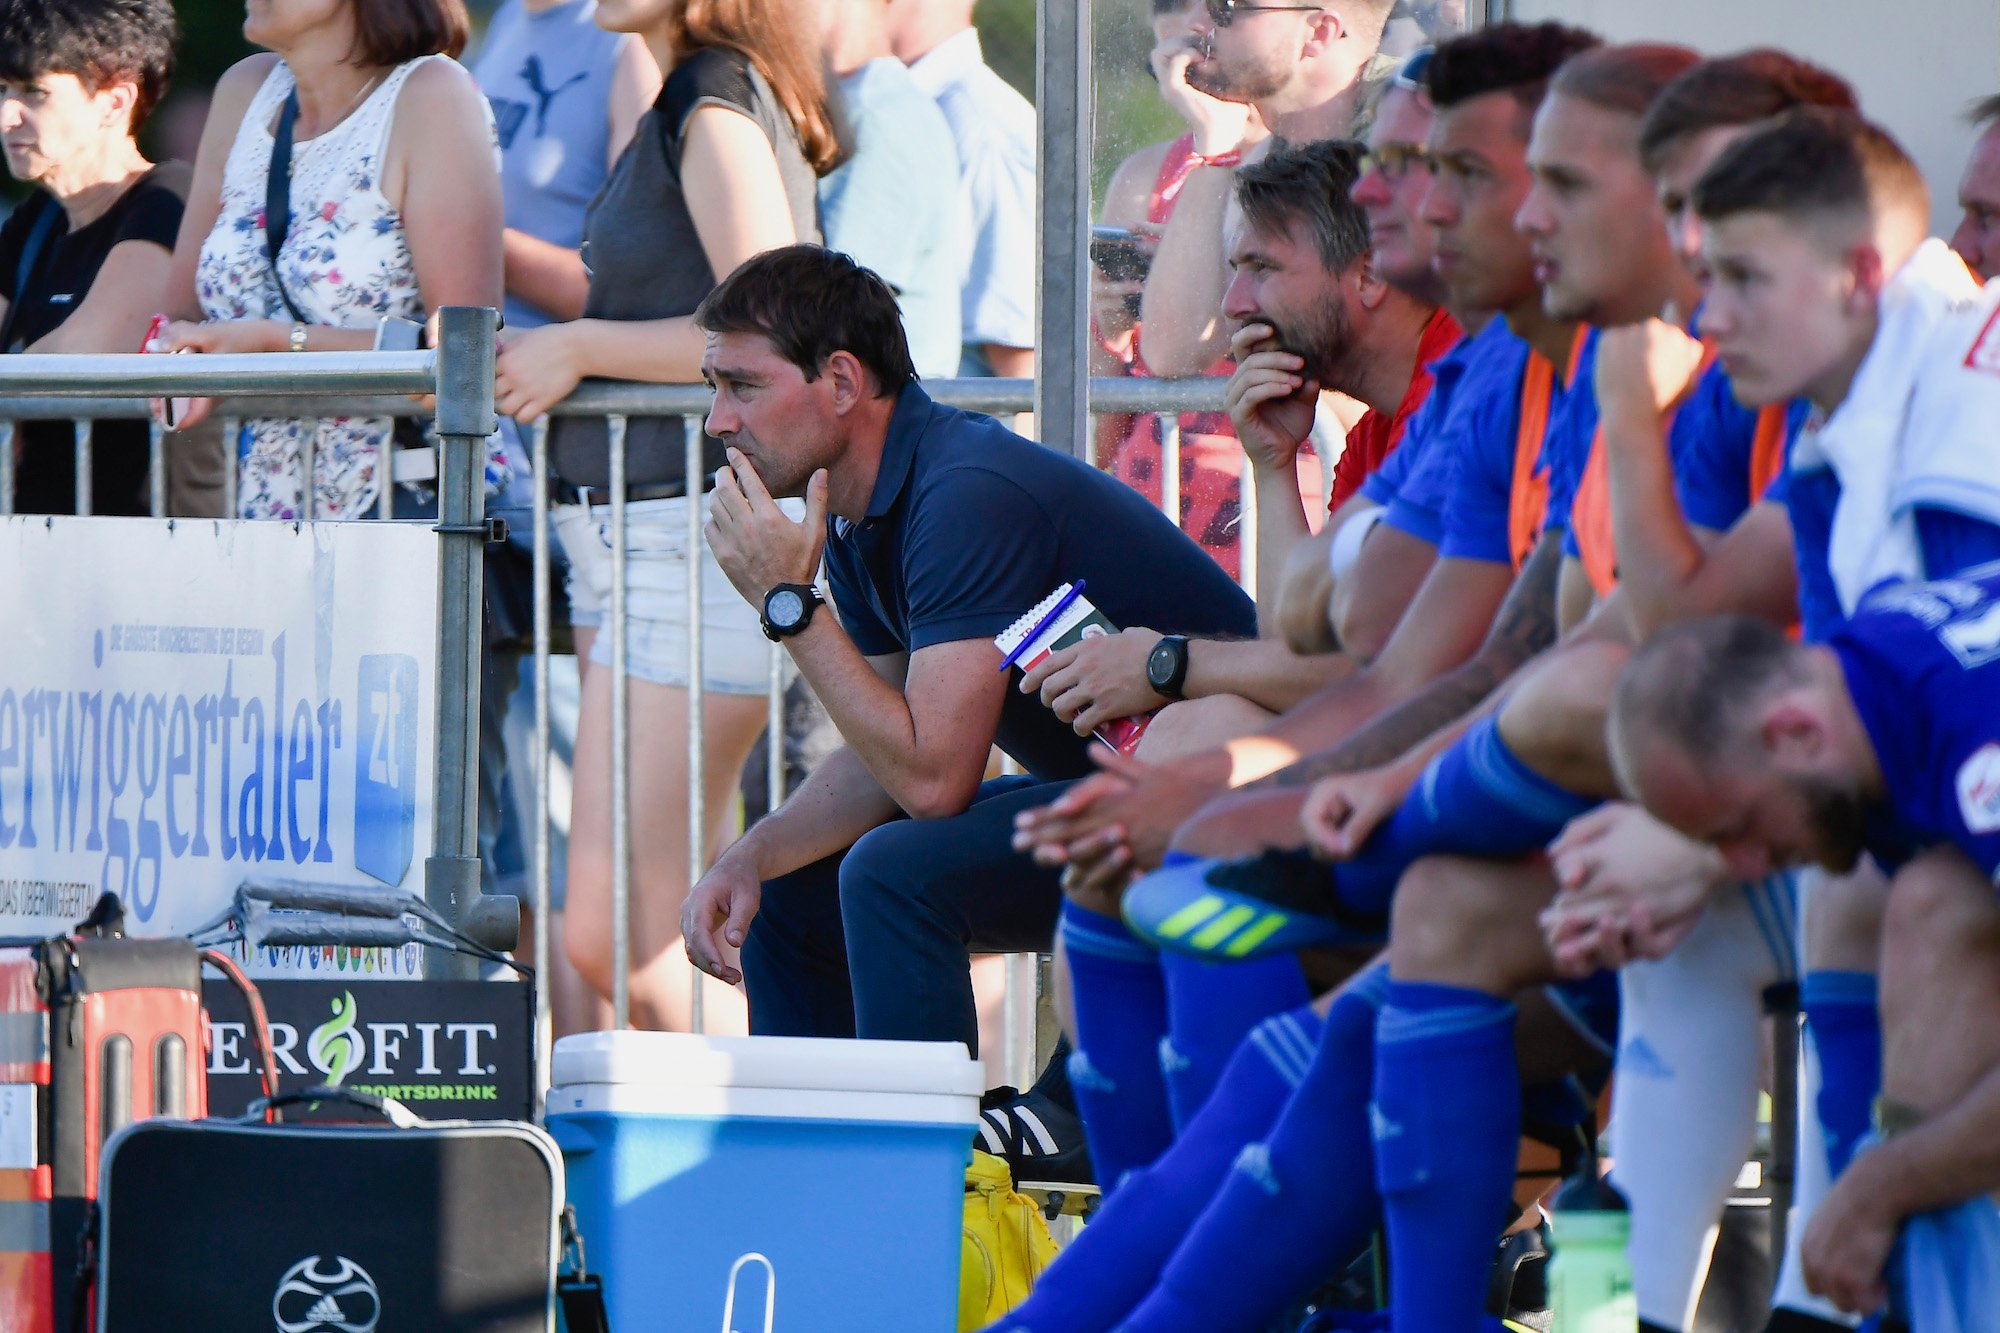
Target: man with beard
{"x":1306,"y":70}
{"x":1312,"y":313}
{"x":1884,"y":739}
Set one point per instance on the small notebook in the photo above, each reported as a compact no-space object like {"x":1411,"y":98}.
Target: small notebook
{"x":1061,"y":620}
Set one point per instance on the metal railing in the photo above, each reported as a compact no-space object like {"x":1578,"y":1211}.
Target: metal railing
{"x":379,"y":385}
{"x":460,"y":375}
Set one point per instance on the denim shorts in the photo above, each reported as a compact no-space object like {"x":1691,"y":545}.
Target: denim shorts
{"x":736,"y":656}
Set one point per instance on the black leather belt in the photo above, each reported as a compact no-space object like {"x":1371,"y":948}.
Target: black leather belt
{"x":567,"y":494}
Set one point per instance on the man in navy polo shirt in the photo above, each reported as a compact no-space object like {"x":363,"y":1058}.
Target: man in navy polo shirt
{"x":855,"y":904}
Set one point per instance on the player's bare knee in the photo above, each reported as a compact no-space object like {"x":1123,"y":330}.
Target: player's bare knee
{"x":1440,"y":914}
{"x":1193,"y":725}
{"x":1938,"y":903}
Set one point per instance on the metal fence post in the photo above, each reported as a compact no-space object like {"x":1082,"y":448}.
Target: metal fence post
{"x":1064,"y":95}
{"x":464,"y":420}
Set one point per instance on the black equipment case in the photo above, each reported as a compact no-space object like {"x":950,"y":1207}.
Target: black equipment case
{"x":235,"y":1227}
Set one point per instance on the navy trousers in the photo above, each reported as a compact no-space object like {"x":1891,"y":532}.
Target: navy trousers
{"x":876,"y":941}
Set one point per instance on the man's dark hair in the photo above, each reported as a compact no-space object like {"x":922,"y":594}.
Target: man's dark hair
{"x":1693,"y":682}
{"x":1623,"y":78}
{"x":1514,"y":58}
{"x":1308,"y":185}
{"x":1813,"y":162}
{"x":1736,"y":90}
{"x":389,"y":32}
{"x":97,"y":41}
{"x":811,"y":302}
{"x":1984,"y":113}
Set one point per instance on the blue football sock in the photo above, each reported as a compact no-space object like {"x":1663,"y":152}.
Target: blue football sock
{"x":1115,"y":1261}
{"x":1846,"y":1031}
{"x":1120,"y":1000}
{"x":1298,"y":1207}
{"x":1211,"y":1008}
{"x":1447,"y":1125}
{"x":1475,"y":799}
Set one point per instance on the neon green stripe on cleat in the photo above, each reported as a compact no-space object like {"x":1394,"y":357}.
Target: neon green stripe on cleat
{"x":1196,"y":912}
{"x":1242,"y":945}
{"x":1220,"y":929}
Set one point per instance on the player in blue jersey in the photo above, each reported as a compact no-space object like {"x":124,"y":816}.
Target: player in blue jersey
{"x":1884,"y":740}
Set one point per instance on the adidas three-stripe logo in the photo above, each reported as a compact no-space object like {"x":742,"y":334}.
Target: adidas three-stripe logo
{"x":1211,"y":924}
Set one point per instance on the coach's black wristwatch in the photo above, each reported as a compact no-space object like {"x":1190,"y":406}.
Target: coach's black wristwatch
{"x":1167,"y":665}
{"x":788,"y":609}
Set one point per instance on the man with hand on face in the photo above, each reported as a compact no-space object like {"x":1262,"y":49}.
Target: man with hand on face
{"x":1883,"y":739}
{"x":1312,"y":313}
{"x":855,"y":903}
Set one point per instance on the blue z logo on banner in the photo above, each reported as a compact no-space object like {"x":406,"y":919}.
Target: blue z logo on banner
{"x":385,"y":771}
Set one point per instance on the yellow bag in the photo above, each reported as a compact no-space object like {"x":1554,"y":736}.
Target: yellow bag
{"x":1006,"y":1244}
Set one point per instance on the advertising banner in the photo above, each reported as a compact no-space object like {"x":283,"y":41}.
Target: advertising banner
{"x":187,"y":704}
{"x":451,"y":1050}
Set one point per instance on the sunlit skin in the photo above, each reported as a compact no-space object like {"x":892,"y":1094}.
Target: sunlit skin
{"x":1679,"y":167}
{"x":1279,"y":281}
{"x":1478,"y":181}
{"x":1391,"y":192}
{"x":1793,"y":792}
{"x":1978,"y":236}
{"x":1790,"y":310}
{"x":1252,"y":59}
{"x":53,"y":128}
{"x":1593,"y":219}
{"x":787,"y":426}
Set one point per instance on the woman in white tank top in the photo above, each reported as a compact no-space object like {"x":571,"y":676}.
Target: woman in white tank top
{"x":395,"y":211}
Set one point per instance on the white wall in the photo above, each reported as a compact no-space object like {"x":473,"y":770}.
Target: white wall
{"x":1917,"y":64}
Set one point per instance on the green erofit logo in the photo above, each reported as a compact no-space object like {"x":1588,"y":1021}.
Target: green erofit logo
{"x":334,"y":1046}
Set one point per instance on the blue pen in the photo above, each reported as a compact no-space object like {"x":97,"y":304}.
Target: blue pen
{"x":1062,"y":605}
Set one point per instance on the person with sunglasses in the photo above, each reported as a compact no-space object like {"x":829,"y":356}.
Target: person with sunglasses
{"x":1306,"y":69}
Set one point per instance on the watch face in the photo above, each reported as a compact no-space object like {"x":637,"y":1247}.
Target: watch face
{"x":785,"y":608}
{"x":1160,"y":663}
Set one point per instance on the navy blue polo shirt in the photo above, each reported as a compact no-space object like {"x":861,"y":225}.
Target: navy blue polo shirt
{"x":970,"y":526}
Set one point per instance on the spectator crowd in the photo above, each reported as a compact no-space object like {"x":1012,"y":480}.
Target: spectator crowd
{"x":1619,"y":639}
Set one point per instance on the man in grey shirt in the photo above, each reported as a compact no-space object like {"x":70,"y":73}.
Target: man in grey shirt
{"x":994,"y":127}
{"x":894,"y":204}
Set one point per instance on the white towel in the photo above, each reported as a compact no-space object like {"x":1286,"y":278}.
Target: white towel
{"x":1904,"y":435}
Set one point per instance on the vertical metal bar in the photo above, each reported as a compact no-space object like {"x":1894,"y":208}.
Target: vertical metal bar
{"x":156,"y":466}
{"x":1170,"y":467}
{"x":385,"y":493}
{"x":232,"y":443}
{"x":544,"y":616}
{"x":621,"y":746}
{"x":309,"y":472}
{"x":1246,"y":530}
{"x":84,"y":488}
{"x":464,"y":420}
{"x":6,"y":467}
{"x":697,"y":561}
{"x":774,"y":731}
{"x":1017,"y":1014}
{"x":1064,"y":93}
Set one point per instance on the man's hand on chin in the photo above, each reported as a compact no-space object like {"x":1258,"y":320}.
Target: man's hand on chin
{"x":755,"y":542}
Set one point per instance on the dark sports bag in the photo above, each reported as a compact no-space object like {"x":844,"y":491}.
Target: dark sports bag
{"x":235,"y":1227}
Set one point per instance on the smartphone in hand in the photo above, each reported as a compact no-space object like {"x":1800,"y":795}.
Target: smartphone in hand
{"x":1121,"y":255}
{"x":167,"y":411}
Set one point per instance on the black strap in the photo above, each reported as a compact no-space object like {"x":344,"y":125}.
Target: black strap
{"x":580,"y":1291}
{"x":278,"y":197}
{"x":31,"y":253}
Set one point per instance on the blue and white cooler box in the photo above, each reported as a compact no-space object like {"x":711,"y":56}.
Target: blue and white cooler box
{"x":792,"y":1184}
